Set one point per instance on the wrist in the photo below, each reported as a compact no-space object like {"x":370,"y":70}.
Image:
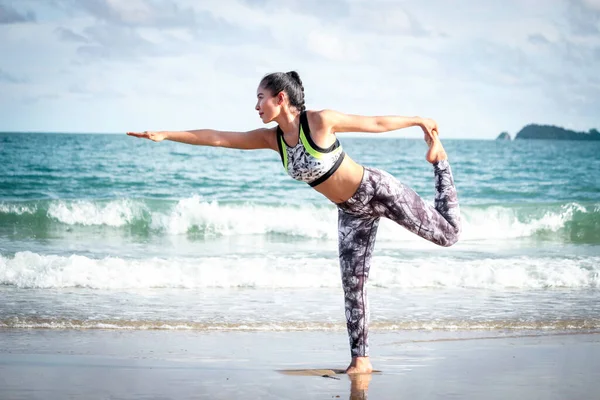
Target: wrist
{"x":164,"y":135}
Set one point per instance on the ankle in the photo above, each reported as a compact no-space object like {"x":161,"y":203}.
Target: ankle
{"x":360,"y":361}
{"x":440,"y":158}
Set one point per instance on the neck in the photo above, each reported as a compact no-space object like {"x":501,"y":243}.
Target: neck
{"x":288,"y":120}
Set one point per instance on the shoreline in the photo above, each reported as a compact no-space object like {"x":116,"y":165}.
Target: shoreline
{"x":53,"y":364}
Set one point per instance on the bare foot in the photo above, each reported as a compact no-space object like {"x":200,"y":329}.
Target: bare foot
{"x":359,"y":365}
{"x":436,"y":151}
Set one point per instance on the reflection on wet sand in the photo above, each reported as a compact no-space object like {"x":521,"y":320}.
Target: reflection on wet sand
{"x":359,"y":385}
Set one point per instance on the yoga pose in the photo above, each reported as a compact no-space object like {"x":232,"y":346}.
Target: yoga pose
{"x":310,"y":152}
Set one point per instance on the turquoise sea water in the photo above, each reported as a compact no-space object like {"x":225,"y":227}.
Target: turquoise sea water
{"x":110,"y":231}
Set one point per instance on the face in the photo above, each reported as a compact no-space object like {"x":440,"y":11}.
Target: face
{"x":267,"y":105}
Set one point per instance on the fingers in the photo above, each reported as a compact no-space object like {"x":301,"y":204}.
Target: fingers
{"x":138,"y":134}
{"x":433,"y":127}
{"x":431,"y":136}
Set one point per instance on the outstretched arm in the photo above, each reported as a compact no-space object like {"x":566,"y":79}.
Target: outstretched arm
{"x":262,"y":138}
{"x":339,"y":122}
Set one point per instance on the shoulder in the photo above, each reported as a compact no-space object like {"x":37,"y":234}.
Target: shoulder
{"x":266,"y":136}
{"x":262,"y":132}
{"x":322,"y":119}
{"x":269,"y":135}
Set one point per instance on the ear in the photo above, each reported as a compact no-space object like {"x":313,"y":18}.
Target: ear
{"x":280,"y":98}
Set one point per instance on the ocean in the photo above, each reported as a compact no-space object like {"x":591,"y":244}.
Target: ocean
{"x":114,"y":232}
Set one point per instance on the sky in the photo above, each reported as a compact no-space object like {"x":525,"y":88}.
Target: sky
{"x":477,"y":67}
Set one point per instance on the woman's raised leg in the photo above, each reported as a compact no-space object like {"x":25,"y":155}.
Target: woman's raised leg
{"x":439,"y":223}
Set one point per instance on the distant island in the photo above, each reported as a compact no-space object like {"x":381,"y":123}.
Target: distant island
{"x":534,"y":131}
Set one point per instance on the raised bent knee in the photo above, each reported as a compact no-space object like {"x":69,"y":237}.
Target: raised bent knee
{"x":450,"y":241}
{"x":449,"y":238}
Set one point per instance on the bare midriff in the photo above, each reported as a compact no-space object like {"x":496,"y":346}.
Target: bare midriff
{"x":342,"y":185}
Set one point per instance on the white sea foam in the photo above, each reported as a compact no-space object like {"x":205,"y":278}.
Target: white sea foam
{"x":561,"y":325}
{"x":84,"y":212}
{"x":501,"y":223}
{"x":31,"y":270}
{"x":216,"y":219}
{"x":18,"y":209}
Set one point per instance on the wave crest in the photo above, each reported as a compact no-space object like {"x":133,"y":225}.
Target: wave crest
{"x":570,"y":222}
{"x":32,"y":270}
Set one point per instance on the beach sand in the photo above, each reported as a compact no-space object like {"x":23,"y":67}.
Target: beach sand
{"x":160,"y":364}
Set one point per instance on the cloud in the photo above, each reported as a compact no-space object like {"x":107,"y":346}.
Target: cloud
{"x":68,"y":35}
{"x":93,"y":90}
{"x":119,"y":30}
{"x":331,"y":10}
{"x":386,"y":19}
{"x":135,"y":13}
{"x":492,"y":64}
{"x":592,"y":4}
{"x":8,"y":15}
{"x":115,"y":42}
{"x":9,"y":78}
{"x":331,"y":46}
{"x":194,"y":59}
{"x":584,"y":17}
{"x":538,"y":39}
{"x":28,"y":99}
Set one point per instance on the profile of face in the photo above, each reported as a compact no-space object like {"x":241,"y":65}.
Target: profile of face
{"x":268,"y":105}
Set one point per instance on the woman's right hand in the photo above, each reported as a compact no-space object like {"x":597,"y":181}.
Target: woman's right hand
{"x":429,"y":127}
{"x":154,"y":136}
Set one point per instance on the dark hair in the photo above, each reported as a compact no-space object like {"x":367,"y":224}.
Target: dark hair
{"x":288,"y":82}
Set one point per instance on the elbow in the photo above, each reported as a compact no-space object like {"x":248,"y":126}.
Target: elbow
{"x":449,"y":242}
{"x":380,"y":126}
{"x":215,"y":140}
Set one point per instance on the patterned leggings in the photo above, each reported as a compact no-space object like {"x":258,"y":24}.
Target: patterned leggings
{"x":382,"y":195}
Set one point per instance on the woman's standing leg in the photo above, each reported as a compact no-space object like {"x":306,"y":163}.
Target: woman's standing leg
{"x":356,"y":241}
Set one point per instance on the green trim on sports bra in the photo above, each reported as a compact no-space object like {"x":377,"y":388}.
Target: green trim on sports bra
{"x":303,"y":169}
{"x":312,"y":151}
{"x":283,"y":151}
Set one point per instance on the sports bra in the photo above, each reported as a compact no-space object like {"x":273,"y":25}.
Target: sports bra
{"x":307,"y":162}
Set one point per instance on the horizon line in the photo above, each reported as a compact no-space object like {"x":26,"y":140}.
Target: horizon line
{"x":355,"y":135}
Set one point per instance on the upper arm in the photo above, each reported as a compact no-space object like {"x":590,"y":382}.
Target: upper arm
{"x":262,"y":138}
{"x":339,"y":122}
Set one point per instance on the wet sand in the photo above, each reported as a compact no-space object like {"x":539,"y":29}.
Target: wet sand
{"x":109,"y":364}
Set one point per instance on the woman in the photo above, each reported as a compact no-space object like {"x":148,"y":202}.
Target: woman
{"x":311,"y":153}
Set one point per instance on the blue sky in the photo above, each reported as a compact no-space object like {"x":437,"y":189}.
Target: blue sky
{"x":477,"y":67}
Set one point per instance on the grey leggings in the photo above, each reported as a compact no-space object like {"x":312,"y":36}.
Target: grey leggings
{"x":382,"y":195}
